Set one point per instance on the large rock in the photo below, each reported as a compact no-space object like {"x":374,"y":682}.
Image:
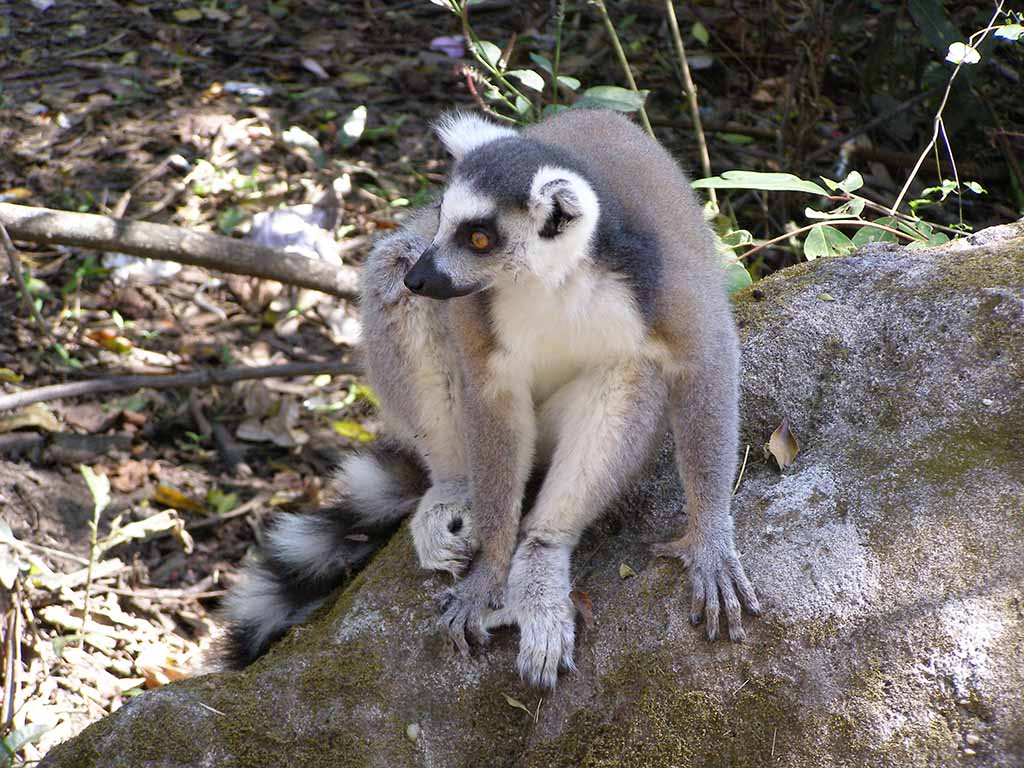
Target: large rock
{"x":889,"y":558}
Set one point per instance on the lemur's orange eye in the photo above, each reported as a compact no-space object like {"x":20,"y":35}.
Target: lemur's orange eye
{"x":479,"y":240}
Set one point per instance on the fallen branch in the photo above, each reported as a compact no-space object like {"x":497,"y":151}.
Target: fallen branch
{"x":162,"y":241}
{"x":207,"y":377}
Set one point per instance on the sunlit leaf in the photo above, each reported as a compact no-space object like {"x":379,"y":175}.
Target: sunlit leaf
{"x":352,"y":430}
{"x":354,"y":126}
{"x":527,"y":77}
{"x":6,"y":374}
{"x":700,"y":33}
{"x":568,"y":82}
{"x":188,"y":15}
{"x":1010,"y":31}
{"x":771,"y":182}
{"x":626,"y":572}
{"x":736,"y":277}
{"x":99,"y":487}
{"x":961,"y":53}
{"x":487,"y":52}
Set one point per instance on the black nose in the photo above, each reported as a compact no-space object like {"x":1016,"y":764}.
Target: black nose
{"x":426,"y":279}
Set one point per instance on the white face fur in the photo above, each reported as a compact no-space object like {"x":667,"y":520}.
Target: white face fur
{"x":480,"y":239}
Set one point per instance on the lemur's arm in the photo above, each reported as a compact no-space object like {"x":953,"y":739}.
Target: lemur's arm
{"x":499,"y":421}
{"x":704,"y":411}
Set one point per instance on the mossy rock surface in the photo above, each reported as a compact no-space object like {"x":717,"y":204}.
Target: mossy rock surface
{"x":889,"y":559}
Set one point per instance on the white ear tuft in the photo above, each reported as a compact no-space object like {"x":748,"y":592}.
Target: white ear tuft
{"x":559,"y":197}
{"x":462,"y":132}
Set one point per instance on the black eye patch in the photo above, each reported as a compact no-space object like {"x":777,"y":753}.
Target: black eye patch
{"x":478,"y":235}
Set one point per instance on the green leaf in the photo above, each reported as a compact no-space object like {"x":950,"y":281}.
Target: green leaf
{"x":934,"y":23}
{"x":487,"y":52}
{"x":523,"y":106}
{"x":700,"y":33}
{"x":612,"y":97}
{"x":771,"y":182}
{"x":568,"y":82}
{"x":975,"y":187}
{"x":528,"y":77}
{"x":554,"y":109}
{"x":866,"y":235}
{"x":230,"y":218}
{"x":735,"y":138}
{"x":1010,"y":31}
{"x":543,"y":62}
{"x":815,"y":246}
{"x":736,"y":277}
{"x":23,"y":736}
{"x":99,"y":487}
{"x":825,"y":240}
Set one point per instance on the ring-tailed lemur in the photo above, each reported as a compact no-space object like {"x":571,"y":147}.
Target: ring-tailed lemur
{"x":582,"y":302}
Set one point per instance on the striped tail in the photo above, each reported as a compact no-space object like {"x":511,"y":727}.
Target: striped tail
{"x":306,"y":556}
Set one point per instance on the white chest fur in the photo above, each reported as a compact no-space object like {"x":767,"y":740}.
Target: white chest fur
{"x":550,"y":335}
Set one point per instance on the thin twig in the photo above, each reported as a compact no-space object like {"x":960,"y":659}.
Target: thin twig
{"x":94,"y":527}
{"x":202,"y":378}
{"x":14,"y":264}
{"x":623,"y":61}
{"x":691,"y":97}
{"x":840,"y":223}
{"x":742,"y":469}
{"x":937,"y":123}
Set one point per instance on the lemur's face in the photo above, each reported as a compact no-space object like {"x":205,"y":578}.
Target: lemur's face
{"x":543,"y":230}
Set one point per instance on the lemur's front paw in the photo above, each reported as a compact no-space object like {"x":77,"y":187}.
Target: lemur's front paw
{"x":466,"y":606}
{"x":716,"y":570}
{"x":547,"y":633}
{"x":442,"y":530}
{"x":539,"y":602}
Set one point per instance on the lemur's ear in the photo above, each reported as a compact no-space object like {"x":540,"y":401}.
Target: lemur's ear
{"x":462,"y":132}
{"x":557,"y":198}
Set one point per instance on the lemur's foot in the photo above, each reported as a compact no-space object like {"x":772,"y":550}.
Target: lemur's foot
{"x":442,"y":530}
{"x":539,"y":602}
{"x":465,"y":607}
{"x":716,"y":570}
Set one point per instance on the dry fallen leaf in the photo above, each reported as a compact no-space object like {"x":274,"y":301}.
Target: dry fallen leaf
{"x":34,"y":415}
{"x":517,"y":704}
{"x":783,"y":445}
{"x":625,"y":572}
{"x":168,"y":497}
{"x":584,"y":607}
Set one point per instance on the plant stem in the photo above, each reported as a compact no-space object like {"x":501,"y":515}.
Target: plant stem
{"x":19,"y":279}
{"x":691,"y":97}
{"x":493,"y":69}
{"x":559,"y":22}
{"x":623,"y":61}
{"x":937,"y":123}
{"x":94,"y":525}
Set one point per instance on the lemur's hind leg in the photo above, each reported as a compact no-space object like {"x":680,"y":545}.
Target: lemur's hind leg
{"x":602,"y":425}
